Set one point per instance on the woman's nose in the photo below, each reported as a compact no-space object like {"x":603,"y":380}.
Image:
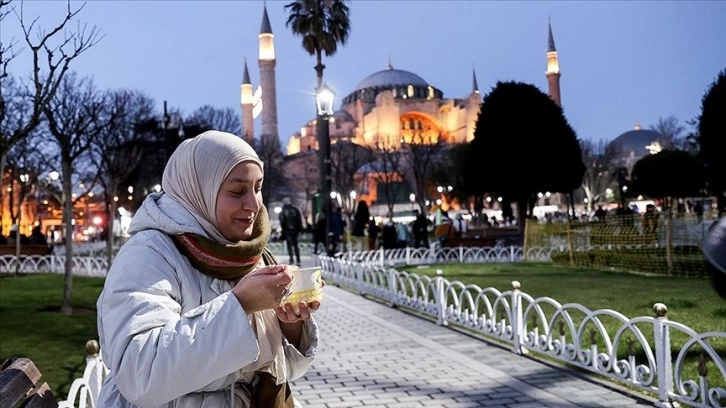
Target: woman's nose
{"x":251,"y":202}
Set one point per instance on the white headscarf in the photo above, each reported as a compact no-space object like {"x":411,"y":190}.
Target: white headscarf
{"x":196,"y":170}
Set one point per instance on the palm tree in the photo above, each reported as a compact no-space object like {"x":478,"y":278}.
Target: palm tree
{"x":322,"y":24}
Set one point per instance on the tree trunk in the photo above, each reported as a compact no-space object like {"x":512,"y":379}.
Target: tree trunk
{"x":669,"y":235}
{"x":68,"y":222}
{"x":17,"y":246}
{"x":111,"y":218}
{"x":521,"y":214}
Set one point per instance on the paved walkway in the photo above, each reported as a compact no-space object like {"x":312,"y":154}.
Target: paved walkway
{"x":372,"y":355}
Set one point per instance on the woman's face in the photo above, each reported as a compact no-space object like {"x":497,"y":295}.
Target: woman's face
{"x":239,"y":201}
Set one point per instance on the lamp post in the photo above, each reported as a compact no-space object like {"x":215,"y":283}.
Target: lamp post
{"x":324,"y":97}
{"x":412,"y":199}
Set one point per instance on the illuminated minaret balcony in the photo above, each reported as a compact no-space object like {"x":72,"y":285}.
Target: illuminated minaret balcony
{"x":553,"y":65}
{"x":267,"y":47}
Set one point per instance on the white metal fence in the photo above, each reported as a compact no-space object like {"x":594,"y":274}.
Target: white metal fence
{"x":633,"y":351}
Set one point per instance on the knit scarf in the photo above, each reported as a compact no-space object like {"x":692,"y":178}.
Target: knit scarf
{"x":232,"y":262}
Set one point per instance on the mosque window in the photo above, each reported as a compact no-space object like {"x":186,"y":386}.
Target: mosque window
{"x":431,"y":92}
{"x":395,"y":92}
{"x":410,"y":90}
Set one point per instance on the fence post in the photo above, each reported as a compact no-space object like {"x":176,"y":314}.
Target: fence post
{"x":440,"y":299}
{"x":517,"y":324}
{"x":383,"y":257}
{"x":461,"y":254}
{"x":511,"y":254}
{"x":664,"y":368}
{"x":392,"y":274}
{"x":408,"y":255}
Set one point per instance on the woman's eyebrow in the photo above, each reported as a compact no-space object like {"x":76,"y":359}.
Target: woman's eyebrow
{"x":243,"y":180}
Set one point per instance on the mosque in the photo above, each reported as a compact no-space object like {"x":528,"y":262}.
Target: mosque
{"x":392,"y":106}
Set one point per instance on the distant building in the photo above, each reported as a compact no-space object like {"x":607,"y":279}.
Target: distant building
{"x":388,"y":107}
{"x":635,"y":144}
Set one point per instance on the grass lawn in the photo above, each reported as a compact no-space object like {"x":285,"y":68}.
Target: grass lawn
{"x":32,"y":326}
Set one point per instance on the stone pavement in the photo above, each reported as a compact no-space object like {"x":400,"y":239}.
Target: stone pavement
{"x":371,"y":355}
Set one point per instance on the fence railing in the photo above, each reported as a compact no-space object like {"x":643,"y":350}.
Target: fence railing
{"x":633,"y":351}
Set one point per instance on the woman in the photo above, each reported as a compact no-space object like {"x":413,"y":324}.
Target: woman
{"x":189,"y":315}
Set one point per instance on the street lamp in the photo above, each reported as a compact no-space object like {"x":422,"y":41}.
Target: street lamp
{"x":324,"y":97}
{"x":412,"y":199}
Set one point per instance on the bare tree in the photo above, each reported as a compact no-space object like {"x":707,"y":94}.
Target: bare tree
{"x":600,"y":168}
{"x":119,"y":148}
{"x":51,"y":53}
{"x":74,"y":122}
{"x":208,"y":117}
{"x":387,"y":170}
{"x":269,"y":151}
{"x":421,"y":156}
{"x":671,"y":131}
{"x":346,"y":159}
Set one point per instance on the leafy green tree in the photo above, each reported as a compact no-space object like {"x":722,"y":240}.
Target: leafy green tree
{"x":322,"y":24}
{"x":670,"y":173}
{"x":523,"y":145}
{"x":712,"y":139}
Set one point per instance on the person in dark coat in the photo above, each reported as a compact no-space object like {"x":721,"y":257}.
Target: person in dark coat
{"x":319,"y":232}
{"x":373,"y":231}
{"x":420,"y":230}
{"x":390,"y":236}
{"x":37,"y":237}
{"x":360,"y":222}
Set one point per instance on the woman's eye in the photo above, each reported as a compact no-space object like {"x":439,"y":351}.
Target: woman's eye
{"x":238,"y":192}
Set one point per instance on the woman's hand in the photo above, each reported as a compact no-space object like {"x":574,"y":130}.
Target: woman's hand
{"x":287,"y":313}
{"x":263,"y":289}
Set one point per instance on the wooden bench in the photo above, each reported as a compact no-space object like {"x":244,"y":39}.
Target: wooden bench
{"x":20,"y":381}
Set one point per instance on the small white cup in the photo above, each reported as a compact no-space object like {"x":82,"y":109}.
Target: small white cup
{"x":306,"y":285}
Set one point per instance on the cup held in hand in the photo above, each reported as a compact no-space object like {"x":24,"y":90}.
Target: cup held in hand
{"x":306,"y":285}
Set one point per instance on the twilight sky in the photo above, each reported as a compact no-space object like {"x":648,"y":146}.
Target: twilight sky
{"x":621,"y":62}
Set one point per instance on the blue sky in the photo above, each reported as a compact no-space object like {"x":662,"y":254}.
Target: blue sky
{"x":621,"y":61}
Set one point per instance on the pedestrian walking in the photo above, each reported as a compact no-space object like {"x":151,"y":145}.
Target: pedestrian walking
{"x":291,"y":224}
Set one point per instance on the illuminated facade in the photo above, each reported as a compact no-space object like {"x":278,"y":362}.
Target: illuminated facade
{"x":395,"y":106}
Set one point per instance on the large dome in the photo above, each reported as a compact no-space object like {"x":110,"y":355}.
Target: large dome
{"x":389,"y":78}
{"x":403,"y":85}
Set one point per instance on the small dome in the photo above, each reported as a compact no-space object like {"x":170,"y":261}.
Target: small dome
{"x":637,"y":141}
{"x":389,"y":78}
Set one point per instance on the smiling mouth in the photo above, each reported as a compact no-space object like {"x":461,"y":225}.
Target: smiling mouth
{"x":246,"y":220}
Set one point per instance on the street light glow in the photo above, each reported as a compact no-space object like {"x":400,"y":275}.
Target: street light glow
{"x":324,"y":98}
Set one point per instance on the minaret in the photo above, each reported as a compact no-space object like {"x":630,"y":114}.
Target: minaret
{"x":246,"y":100}
{"x":267,"y":79}
{"x":553,"y":68}
{"x":475,"y":85}
{"x":472,"y":108}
